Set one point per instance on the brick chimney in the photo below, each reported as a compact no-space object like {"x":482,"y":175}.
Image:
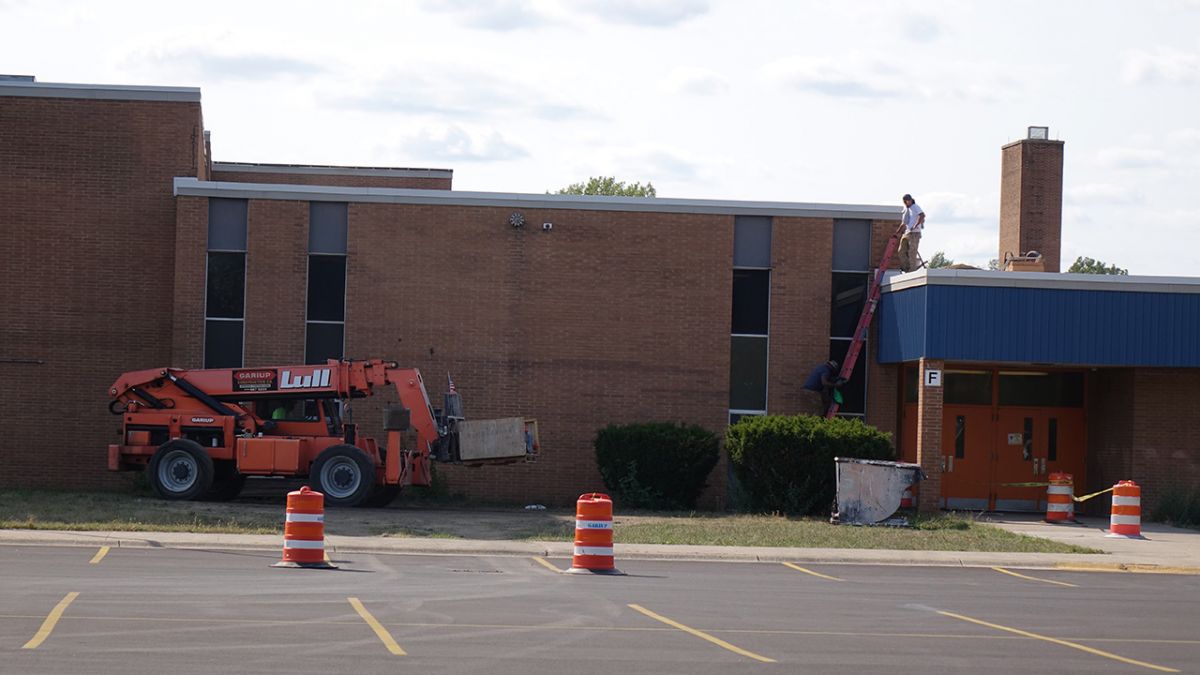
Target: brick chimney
{"x":1031,"y":180}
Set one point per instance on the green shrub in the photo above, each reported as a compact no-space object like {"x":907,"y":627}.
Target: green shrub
{"x":656,"y":465}
{"x":785,"y":464}
{"x":1179,"y":507}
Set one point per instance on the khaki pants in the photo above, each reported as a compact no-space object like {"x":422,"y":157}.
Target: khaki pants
{"x":909,"y":259}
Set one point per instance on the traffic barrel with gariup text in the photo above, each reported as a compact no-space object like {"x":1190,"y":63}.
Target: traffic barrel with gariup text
{"x":1060,"y":498}
{"x":1126,"y":519}
{"x":304,"y":531}
{"x":593,"y":552}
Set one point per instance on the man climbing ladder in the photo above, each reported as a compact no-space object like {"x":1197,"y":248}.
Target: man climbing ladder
{"x":864,"y":320}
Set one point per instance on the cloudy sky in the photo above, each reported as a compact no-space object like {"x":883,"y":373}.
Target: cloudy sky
{"x":852,"y":102}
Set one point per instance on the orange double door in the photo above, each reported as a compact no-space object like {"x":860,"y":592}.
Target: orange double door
{"x":990,"y":454}
{"x":1002,"y":430}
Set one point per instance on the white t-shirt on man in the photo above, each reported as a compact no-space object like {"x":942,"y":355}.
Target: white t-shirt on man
{"x":911,"y":220}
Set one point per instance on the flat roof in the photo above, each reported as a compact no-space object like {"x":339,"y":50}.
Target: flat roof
{"x":110,"y":92}
{"x":331,"y":170}
{"x":193,"y":187}
{"x":1047,"y":280}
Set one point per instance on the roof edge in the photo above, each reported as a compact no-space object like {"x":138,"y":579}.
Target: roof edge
{"x":330,"y":170}
{"x":193,"y":187}
{"x":1042,"y":280}
{"x":111,"y":92}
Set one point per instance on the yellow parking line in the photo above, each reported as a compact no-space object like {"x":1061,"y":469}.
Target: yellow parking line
{"x":1044,"y":581}
{"x":1065,"y":643}
{"x":701,"y":634}
{"x":380,"y":631}
{"x":51,"y":621}
{"x":99,"y":555}
{"x":808,"y":571}
{"x":546,"y":563}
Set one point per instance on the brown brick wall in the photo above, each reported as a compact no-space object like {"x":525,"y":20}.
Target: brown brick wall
{"x":87,"y":192}
{"x":802,"y":254}
{"x":929,"y":437}
{"x":340,"y":180}
{"x":1166,"y":432}
{"x":1031,"y":196}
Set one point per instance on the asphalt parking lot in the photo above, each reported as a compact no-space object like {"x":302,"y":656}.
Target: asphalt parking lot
{"x":76,"y":609}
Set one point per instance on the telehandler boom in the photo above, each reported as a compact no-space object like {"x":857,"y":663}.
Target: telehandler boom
{"x":199,"y":433}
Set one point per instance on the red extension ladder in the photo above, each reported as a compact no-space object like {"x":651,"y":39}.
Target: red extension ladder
{"x":864,"y":320}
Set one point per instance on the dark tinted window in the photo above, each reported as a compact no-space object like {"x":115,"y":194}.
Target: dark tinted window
{"x":752,"y":241}
{"x":222,"y":344}
{"x":226,"y":290}
{"x":326,"y":288}
{"x":326,"y":227}
{"x":748,"y":373}
{"x":964,"y":388}
{"x":227,"y":224}
{"x":851,"y":244}
{"x":854,"y":398}
{"x":910,"y":384}
{"x":751,"y":301}
{"x":1042,"y":389}
{"x":846,"y":304}
{"x":323,"y":341}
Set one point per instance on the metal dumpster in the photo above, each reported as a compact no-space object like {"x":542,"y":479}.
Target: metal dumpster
{"x":869,"y":490}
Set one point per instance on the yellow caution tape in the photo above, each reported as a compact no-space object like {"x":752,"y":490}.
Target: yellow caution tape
{"x":1078,"y":499}
{"x":1094,"y":494}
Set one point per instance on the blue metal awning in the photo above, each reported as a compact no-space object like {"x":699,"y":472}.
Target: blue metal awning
{"x":1040,"y":318}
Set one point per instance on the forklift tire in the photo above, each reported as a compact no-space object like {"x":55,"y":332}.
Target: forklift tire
{"x":227,"y":483}
{"x":344,"y":474}
{"x":181,"y":469}
{"x":382,"y":496}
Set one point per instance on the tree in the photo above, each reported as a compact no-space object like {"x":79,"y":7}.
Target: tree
{"x":1084,"y":265}
{"x":939,"y":260}
{"x":608,"y":185}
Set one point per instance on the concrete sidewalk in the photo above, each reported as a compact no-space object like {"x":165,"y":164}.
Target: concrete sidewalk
{"x":1166,"y":549}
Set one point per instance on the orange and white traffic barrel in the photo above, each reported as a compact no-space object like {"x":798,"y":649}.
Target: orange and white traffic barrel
{"x":593,"y":536}
{"x":304,"y":531}
{"x":1126,"y":511}
{"x":1060,"y":498}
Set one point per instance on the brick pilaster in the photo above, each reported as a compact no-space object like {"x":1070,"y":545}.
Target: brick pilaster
{"x":929,"y":437}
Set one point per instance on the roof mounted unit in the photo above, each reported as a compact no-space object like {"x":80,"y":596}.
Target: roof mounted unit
{"x":1039,"y":133}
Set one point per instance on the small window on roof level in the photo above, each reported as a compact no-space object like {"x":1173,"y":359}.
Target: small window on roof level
{"x":752,"y":241}
{"x":327,"y":227}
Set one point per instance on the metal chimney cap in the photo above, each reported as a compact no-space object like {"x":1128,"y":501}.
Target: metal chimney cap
{"x":1039,"y":133}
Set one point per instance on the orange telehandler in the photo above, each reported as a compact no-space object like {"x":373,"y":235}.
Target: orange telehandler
{"x":199,"y":433}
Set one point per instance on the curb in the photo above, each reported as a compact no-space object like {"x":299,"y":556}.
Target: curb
{"x":336,"y":544}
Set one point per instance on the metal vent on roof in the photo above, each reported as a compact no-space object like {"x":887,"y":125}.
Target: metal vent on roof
{"x":1039,"y":133}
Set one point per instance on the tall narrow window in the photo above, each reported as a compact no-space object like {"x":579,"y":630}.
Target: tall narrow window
{"x":850,"y":285}
{"x":225,"y":284}
{"x":325,"y":327}
{"x":960,"y":436}
{"x":750,"y":322}
{"x":1052,"y":441}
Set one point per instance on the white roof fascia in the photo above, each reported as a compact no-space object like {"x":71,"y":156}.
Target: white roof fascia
{"x":1044,"y":280}
{"x":316,"y":170}
{"x":110,"y":92}
{"x":189,"y":186}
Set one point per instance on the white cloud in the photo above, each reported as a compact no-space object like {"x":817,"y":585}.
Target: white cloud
{"x":1185,"y":137}
{"x":1094,"y":194}
{"x":654,"y":14}
{"x":215,"y":66}
{"x":454,"y":143}
{"x":494,"y":15}
{"x":921,"y":27}
{"x":848,"y":77}
{"x":460,"y":93}
{"x":1162,"y":65}
{"x":696,"y":81}
{"x":1131,"y":158}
